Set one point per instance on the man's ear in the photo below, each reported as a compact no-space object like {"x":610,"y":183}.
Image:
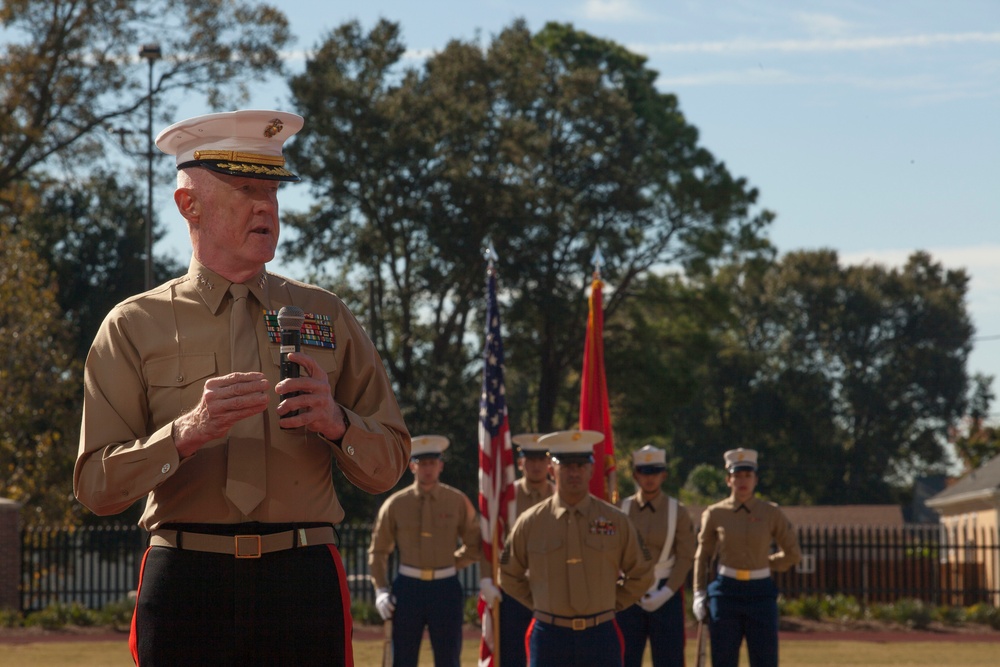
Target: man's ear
{"x":188,"y":205}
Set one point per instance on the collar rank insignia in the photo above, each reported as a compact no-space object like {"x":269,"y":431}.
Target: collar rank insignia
{"x":602,"y":526}
{"x":317,"y":330}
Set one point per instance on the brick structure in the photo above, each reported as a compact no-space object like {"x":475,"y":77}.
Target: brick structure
{"x":10,"y":554}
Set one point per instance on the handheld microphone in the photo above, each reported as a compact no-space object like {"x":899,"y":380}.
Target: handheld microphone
{"x":290,"y":319}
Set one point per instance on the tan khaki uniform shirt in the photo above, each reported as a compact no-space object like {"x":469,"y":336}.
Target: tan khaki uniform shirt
{"x":611,"y":545}
{"x":524,"y":499}
{"x":743,"y":534}
{"x":454,"y":534}
{"x":149,"y":364}
{"x":650,"y":520}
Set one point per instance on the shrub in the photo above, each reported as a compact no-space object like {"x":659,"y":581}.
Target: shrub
{"x":117,"y":614}
{"x":365,"y":613}
{"x":842,"y":607}
{"x":810,"y":606}
{"x":10,"y":618}
{"x":911,"y":613}
{"x":950,"y":615}
{"x":59,"y":615}
{"x":984,"y":614}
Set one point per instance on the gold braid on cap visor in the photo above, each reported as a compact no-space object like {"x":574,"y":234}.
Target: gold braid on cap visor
{"x":237,"y":156}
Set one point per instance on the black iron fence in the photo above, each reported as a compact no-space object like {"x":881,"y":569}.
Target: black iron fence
{"x":97,"y":565}
{"x":94,"y":566}
{"x":941,"y":566}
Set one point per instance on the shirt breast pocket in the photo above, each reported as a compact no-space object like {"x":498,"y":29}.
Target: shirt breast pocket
{"x":546,"y":557}
{"x":176,"y":384}
{"x":324,"y":357}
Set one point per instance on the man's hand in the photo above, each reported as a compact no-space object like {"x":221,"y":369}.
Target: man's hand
{"x":652,"y":601}
{"x":318,"y":411}
{"x":489,"y":591}
{"x":224,"y":401}
{"x":700,"y":605}
{"x":385,"y":603}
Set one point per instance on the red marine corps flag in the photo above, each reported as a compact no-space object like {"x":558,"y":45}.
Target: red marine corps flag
{"x":595,"y":413}
{"x":496,"y":462}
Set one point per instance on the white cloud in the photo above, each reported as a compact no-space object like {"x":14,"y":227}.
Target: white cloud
{"x":611,"y":10}
{"x":822,"y":24}
{"x":820,"y":45}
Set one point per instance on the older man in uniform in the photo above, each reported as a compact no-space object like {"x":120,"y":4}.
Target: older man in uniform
{"x":742,"y":600}
{"x":564,"y":558}
{"x":533,"y":487}
{"x":426,"y":521}
{"x":666,"y":529}
{"x":184,"y":404}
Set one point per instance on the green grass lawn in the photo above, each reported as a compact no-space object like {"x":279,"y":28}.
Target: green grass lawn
{"x":797,"y":653}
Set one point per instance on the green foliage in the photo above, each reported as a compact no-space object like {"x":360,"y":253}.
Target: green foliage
{"x":705,"y":484}
{"x":117,"y":614}
{"x":365,"y":613}
{"x":39,"y":387}
{"x":984,"y":614}
{"x":860,"y":367}
{"x":58,"y":616}
{"x":549,"y":145}
{"x":470,"y":613}
{"x":975,"y":442}
{"x":10,"y":618}
{"x":70,"y":69}
{"x":910,"y":612}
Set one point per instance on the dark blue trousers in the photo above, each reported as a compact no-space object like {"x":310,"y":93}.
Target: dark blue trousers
{"x":743,"y":609}
{"x":550,"y":645}
{"x":437,"y":605}
{"x":514,"y":621}
{"x":664,"y":628}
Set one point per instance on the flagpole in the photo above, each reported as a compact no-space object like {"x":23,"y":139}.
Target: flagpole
{"x":497,"y":657}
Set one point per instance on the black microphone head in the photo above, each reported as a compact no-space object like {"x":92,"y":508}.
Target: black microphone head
{"x":291,"y":317}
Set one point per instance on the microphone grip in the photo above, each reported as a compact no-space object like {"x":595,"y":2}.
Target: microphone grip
{"x":291,"y":341}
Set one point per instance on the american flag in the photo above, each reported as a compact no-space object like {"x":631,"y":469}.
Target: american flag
{"x":496,"y":459}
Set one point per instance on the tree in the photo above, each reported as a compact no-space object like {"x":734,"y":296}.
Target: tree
{"x":705,"y":485}
{"x":976,"y":441}
{"x":550,"y":146}
{"x":69,"y":68}
{"x":39,"y":384}
{"x":847,"y":379}
{"x":92,"y":235}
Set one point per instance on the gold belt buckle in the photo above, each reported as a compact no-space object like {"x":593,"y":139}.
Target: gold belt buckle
{"x":427,"y":574}
{"x":743,"y":575}
{"x":579,"y":624}
{"x":248,"y":542}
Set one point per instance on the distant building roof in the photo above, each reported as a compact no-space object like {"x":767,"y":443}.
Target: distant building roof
{"x":979,"y":486}
{"x":831,"y":515}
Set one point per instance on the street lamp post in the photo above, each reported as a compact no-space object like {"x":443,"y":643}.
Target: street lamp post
{"x":152,"y":53}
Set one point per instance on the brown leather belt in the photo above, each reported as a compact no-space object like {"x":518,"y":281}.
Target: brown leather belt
{"x":242,"y":546}
{"x":578,"y":623}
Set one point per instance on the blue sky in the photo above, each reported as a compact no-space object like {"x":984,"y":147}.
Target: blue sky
{"x":869,"y":127}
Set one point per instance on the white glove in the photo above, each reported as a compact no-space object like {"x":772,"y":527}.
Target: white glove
{"x":489,"y":591}
{"x":653,"y":601}
{"x":700,"y":605}
{"x":385,"y":603}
